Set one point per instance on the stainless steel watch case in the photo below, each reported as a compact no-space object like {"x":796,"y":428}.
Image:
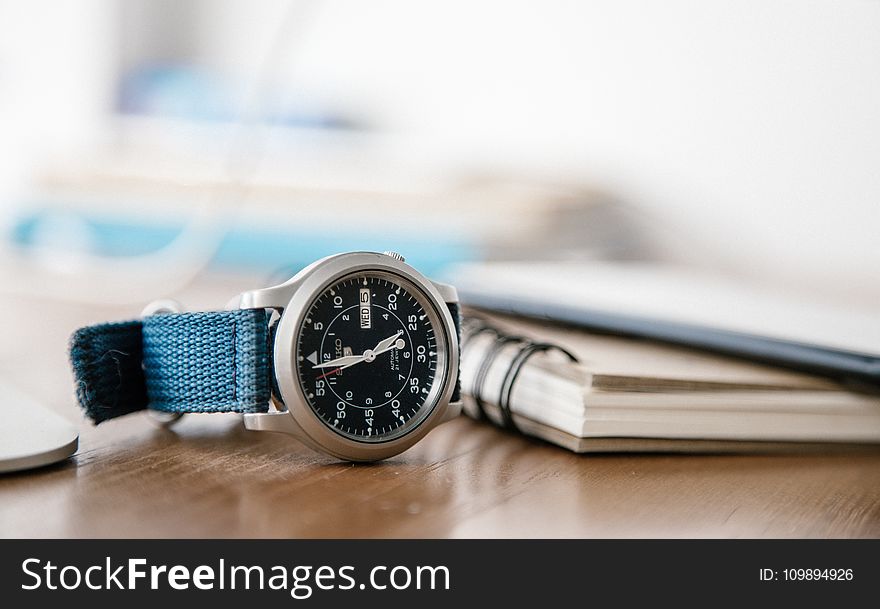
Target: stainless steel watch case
{"x":291,"y":299}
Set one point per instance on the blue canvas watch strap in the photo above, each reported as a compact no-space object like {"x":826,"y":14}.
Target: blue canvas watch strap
{"x":183,"y":362}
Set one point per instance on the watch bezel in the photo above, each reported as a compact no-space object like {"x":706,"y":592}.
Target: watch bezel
{"x":311,"y":282}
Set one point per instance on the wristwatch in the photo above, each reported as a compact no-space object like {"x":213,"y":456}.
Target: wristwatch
{"x":357,"y":356}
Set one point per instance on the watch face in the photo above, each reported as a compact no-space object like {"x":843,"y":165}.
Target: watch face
{"x":371,"y":356}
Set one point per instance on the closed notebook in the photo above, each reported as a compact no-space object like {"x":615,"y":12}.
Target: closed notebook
{"x":631,"y":394}
{"x":689,"y":308}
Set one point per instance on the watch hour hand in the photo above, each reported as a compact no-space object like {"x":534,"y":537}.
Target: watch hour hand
{"x":387,"y":344}
{"x":344,"y":361}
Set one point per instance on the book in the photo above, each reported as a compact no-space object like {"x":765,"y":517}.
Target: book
{"x":631,"y":394}
{"x":686,"y":307}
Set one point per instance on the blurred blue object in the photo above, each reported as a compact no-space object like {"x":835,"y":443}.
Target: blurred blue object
{"x":174,"y":91}
{"x":243,"y":248}
{"x":185,"y":92}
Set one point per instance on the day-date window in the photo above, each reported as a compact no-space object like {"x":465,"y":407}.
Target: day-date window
{"x":366,"y":320}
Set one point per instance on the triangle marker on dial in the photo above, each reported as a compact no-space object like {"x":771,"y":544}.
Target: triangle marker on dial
{"x":313,"y":357}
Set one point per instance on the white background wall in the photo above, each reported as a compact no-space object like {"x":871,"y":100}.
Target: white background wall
{"x":753,"y":124}
{"x":751,"y":128}
{"x":55,"y":82}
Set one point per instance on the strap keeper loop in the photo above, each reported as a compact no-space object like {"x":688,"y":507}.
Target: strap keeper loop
{"x":159,"y":418}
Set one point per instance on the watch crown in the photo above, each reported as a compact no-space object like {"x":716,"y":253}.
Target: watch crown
{"x":395,"y":255}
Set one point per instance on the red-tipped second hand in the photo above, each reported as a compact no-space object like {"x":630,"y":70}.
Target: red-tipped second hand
{"x":328,"y":373}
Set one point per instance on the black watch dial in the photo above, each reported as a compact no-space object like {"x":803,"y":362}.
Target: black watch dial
{"x":371,"y":356}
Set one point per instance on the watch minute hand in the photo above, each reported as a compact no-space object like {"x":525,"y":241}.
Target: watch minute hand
{"x":350,"y":360}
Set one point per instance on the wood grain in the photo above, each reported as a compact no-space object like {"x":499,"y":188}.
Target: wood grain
{"x":212,"y":478}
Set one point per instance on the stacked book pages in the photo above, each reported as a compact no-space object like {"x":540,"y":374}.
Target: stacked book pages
{"x":592,"y":392}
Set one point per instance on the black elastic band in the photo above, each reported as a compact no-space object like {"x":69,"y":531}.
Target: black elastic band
{"x":501,"y":341}
{"x":516,"y":366}
{"x":471,"y":328}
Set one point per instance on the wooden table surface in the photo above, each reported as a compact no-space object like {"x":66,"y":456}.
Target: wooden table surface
{"x":210,"y":477}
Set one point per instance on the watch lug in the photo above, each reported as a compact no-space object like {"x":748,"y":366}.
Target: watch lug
{"x":452,"y":412}
{"x":447,"y":292}
{"x":281,"y":422}
{"x":275,"y":297}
